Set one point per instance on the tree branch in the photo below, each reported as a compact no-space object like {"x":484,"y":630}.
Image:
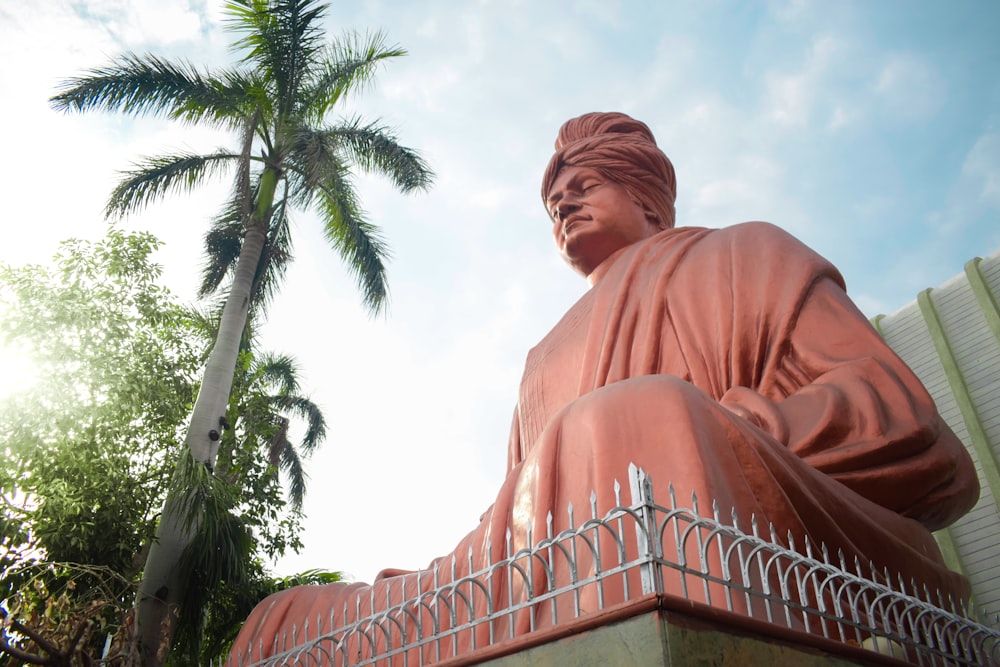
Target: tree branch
{"x":43,"y":643}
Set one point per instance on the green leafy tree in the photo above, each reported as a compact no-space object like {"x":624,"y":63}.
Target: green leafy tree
{"x":277,"y":102}
{"x":88,"y":451}
{"x":93,"y":439}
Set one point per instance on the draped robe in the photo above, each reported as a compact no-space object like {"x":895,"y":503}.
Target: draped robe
{"x":731,"y":364}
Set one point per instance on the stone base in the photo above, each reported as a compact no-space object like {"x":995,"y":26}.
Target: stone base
{"x":661,"y":637}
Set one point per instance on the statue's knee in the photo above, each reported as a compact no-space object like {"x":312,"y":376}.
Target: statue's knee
{"x":658,"y":389}
{"x":658,"y":393}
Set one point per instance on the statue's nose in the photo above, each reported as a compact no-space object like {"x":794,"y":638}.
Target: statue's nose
{"x":565,"y":207}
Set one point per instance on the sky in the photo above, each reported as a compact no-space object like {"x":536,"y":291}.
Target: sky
{"x":870,"y":130}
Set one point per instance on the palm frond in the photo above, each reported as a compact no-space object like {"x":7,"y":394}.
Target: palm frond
{"x":275,"y":259}
{"x":233,"y":97}
{"x":149,"y":85}
{"x":309,"y":412}
{"x":223,"y":243}
{"x":310,"y":160}
{"x":349,"y":65}
{"x":282,"y":455}
{"x":279,"y":441}
{"x":280,"y":371}
{"x":375,"y":149}
{"x":308,"y":577}
{"x":205,"y":324}
{"x":292,"y":465}
{"x":282,"y":38}
{"x":219,"y":556}
{"x":157,"y":176}
{"x":358,"y":242}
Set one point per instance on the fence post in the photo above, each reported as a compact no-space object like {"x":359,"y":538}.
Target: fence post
{"x":646,"y":534}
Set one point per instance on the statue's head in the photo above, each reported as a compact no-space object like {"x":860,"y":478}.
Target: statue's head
{"x":624,"y":150}
{"x":607,"y":186}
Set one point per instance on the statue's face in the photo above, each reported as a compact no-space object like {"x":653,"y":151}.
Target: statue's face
{"x":592,"y":217}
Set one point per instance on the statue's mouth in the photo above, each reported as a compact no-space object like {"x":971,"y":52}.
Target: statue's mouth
{"x":572,"y":222}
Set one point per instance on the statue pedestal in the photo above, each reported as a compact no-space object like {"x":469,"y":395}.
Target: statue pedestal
{"x":576,"y":598}
{"x":664,"y":637}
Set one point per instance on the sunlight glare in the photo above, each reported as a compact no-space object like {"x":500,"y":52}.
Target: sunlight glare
{"x":17,"y":371}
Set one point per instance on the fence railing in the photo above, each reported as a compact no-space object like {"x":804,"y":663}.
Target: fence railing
{"x":636,"y":549}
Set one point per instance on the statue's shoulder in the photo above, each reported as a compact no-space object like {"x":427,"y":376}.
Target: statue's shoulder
{"x":754,"y":228}
{"x":760,"y":239}
{"x":758,"y":231}
{"x":764,"y":248}
{"x":740,"y":239}
{"x":753,"y":248}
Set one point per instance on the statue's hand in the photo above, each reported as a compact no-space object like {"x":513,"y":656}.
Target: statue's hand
{"x":759,"y":411}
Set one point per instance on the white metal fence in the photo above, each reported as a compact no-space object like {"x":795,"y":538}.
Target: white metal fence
{"x":637,"y":549}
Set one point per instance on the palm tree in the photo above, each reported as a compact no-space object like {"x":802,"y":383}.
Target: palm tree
{"x":265,"y":401}
{"x":277,"y":101}
{"x":225,"y":586}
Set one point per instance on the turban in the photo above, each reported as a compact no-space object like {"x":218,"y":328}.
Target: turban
{"x":622,"y":149}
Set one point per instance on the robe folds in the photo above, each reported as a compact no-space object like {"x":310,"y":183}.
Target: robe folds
{"x":731,"y":364}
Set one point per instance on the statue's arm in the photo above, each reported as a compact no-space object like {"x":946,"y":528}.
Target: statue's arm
{"x":843,"y":401}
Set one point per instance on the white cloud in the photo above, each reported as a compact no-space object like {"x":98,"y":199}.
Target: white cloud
{"x":670,"y":72}
{"x":909,"y":88}
{"x":981,"y":171}
{"x":843,"y":116}
{"x":790,"y":11}
{"x":795,"y":96}
{"x":791,"y":97}
{"x":68,"y":163}
{"x":720,"y":192}
{"x":748,"y":187}
{"x":140,"y":22}
{"x":426,"y":88}
{"x":974,"y":196}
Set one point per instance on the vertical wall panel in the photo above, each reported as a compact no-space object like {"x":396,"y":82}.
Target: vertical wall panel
{"x":972,"y":347}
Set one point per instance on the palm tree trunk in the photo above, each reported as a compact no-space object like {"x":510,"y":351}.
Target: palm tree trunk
{"x":162,"y":588}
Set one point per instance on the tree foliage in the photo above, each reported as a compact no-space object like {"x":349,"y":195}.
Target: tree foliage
{"x":88,"y":453}
{"x":116,"y":364}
